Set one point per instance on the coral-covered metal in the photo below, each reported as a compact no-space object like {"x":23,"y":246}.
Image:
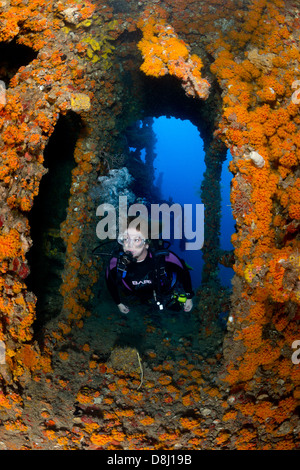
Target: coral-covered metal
{"x":87,"y":58}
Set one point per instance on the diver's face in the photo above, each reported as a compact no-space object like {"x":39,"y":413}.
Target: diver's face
{"x":134,"y":243}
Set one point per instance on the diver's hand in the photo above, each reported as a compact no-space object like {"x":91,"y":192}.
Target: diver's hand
{"x":188,"y":305}
{"x":123,"y":308}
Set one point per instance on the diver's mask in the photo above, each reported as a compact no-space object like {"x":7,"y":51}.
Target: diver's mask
{"x":131,"y":242}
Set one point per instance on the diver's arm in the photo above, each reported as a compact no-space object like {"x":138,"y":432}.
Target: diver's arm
{"x":114,"y":291}
{"x":123,"y":308}
{"x":184,"y":278}
{"x":188,"y":305}
{"x":183,"y":275}
{"x":111,"y":282}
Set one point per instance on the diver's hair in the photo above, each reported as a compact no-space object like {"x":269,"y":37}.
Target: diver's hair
{"x":138,"y":227}
{"x":147,"y":235}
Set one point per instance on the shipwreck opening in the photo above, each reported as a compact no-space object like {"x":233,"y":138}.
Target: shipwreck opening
{"x":12,"y":57}
{"x":179,"y":168}
{"x":239,"y":390}
{"x":228,"y":226}
{"x":160,"y":98}
{"x":47,"y":254}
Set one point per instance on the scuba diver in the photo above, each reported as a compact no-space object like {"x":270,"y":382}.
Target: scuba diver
{"x":154,"y":276}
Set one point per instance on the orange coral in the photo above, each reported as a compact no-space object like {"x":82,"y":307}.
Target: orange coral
{"x":164,"y":53}
{"x":165,"y":380}
{"x":230,"y":415}
{"x":9,"y":244}
{"x":189,"y":423}
{"x":258,"y":114}
{"x":147,"y":420}
{"x":100,"y":439}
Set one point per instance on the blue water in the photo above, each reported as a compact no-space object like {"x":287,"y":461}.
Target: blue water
{"x":227,"y":220}
{"x":180,"y":157}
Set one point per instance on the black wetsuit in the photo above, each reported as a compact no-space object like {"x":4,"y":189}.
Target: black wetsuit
{"x":141,"y":279}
